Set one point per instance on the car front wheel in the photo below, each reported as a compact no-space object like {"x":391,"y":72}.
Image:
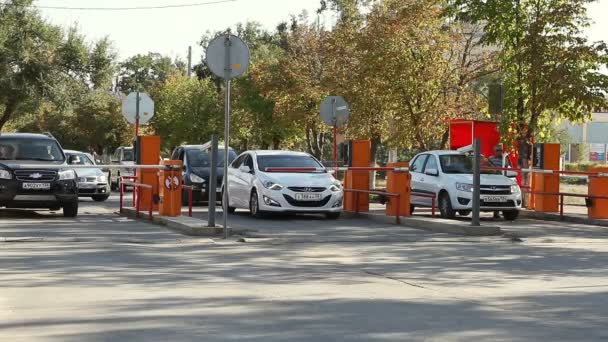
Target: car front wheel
{"x":70,"y":209}
{"x":231,"y":210}
{"x":510,"y":215}
{"x":445,"y":206}
{"x":254,"y":205}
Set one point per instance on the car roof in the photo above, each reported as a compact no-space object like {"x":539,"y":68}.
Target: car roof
{"x":442,"y":152}
{"x":26,"y":136}
{"x":278,"y":153}
{"x":200,"y":147}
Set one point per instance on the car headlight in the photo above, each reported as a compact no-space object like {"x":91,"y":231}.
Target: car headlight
{"x":273,"y":186}
{"x":196,"y":179}
{"x":67,"y":175}
{"x":464,"y":187}
{"x":336,"y":187}
{"x":102,"y":179}
{"x":515,"y":189}
{"x":4,"y":174}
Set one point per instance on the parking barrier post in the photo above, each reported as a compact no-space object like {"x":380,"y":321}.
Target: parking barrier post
{"x":122,"y":193}
{"x":190,"y":202}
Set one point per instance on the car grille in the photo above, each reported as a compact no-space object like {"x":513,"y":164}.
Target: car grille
{"x":306,"y":189}
{"x":39,"y":176}
{"x":495,"y":190}
{"x":87,"y":179}
{"x":507,"y":204}
{"x":307,"y":204}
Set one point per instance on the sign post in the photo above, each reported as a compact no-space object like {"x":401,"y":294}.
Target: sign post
{"x":335,"y":112}
{"x":137,"y":108}
{"x":227,"y":56}
{"x":476,"y":181}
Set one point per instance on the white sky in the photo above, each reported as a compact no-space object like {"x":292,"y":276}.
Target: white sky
{"x":168,"y":31}
{"x":171,"y":31}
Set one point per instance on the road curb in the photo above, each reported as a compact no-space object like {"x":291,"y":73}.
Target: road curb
{"x":434,"y":225}
{"x":182,"y":224}
{"x":555,"y":217}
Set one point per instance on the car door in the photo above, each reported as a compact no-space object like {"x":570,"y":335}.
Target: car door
{"x":430,"y":182}
{"x":246,"y":181}
{"x":234,"y":178}
{"x":416,"y":171}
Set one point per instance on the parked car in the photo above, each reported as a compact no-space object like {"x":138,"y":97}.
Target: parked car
{"x":197,"y":167}
{"x":449,"y":176}
{"x":91,"y":182}
{"x":26,"y":183}
{"x":123,"y":155}
{"x":253,"y":185}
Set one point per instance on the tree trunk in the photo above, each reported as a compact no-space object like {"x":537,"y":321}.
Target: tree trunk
{"x":9,"y":109}
{"x":445,"y":139}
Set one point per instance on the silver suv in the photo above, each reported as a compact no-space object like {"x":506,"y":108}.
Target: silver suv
{"x":449,"y":176}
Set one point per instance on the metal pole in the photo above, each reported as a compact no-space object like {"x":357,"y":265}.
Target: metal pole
{"x":212,"y":185}
{"x":476,"y":181}
{"x":228,"y":74}
{"x":189,"y":61}
{"x":335,"y":147}
{"x":135,"y":189}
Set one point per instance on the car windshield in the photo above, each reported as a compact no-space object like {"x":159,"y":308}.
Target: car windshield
{"x":84,"y":160}
{"x":290,"y":161}
{"x":128,"y":155}
{"x":200,"y":158}
{"x":461,"y":163}
{"x":30,"y":149}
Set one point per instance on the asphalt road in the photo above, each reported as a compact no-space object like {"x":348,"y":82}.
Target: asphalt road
{"x":104,"y":278}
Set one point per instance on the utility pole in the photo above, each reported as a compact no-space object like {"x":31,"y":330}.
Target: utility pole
{"x":189,"y":61}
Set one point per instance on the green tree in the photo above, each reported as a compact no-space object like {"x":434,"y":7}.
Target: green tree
{"x":29,"y":49}
{"x":549,"y":69}
{"x":144,"y":72}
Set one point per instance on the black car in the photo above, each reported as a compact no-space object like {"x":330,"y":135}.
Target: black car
{"x":26,"y":183}
{"x":197,"y":166}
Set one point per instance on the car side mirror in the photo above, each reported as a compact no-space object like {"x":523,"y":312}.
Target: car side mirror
{"x":244,"y":169}
{"x":74,"y":160}
{"x":511,"y":174}
{"x":431,"y":172}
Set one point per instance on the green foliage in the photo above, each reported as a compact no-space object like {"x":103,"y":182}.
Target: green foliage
{"x":145,"y":72}
{"x":548,"y":67}
{"x":581,"y":166}
{"x":188,"y":110}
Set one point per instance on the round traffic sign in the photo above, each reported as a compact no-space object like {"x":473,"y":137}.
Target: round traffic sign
{"x":334,"y":111}
{"x":233,"y":65}
{"x":146,"y":108}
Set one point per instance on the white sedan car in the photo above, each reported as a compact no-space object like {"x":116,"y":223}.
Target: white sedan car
{"x":282,"y":181}
{"x":449,"y":176}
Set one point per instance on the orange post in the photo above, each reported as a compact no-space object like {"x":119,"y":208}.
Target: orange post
{"x":598,"y":186}
{"x":398,"y":183}
{"x":547,"y":182}
{"x":359,"y":180}
{"x":170,"y":186}
{"x":148,"y":154}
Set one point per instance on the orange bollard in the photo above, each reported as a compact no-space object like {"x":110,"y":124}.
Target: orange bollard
{"x":546,"y":182}
{"x":398,"y":183}
{"x":360,"y":157}
{"x":170,"y":186}
{"x":598,"y":186}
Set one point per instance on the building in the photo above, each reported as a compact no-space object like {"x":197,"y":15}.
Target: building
{"x":590,"y":138}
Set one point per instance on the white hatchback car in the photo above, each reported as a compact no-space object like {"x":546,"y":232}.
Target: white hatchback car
{"x":254,"y":185}
{"x":449,"y":175}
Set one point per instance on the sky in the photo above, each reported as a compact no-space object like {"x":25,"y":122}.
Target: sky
{"x":171,"y":31}
{"x":168,"y":31}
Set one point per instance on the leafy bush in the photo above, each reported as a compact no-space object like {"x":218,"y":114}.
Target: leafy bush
{"x":583,"y":166}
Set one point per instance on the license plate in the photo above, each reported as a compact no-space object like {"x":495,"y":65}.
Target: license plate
{"x":494,"y":199}
{"x":308,"y":197}
{"x":37,"y":186}
{"x":87,"y":185}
